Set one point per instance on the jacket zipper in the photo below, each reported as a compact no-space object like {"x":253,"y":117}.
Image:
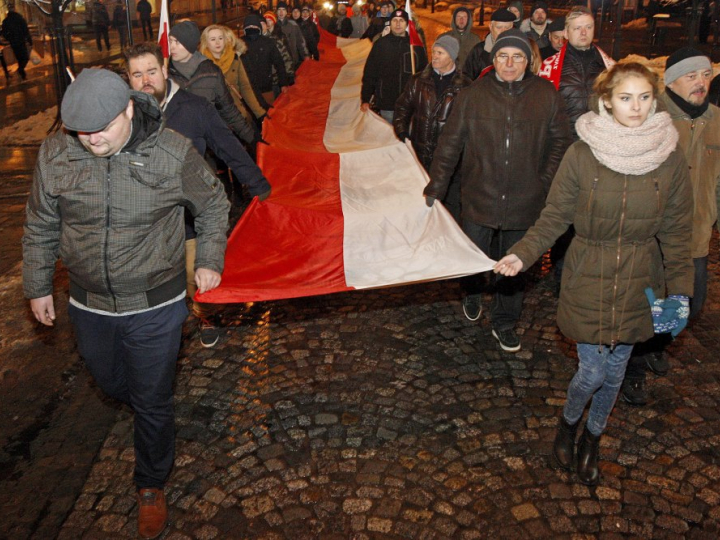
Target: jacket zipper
{"x":613,"y":341}
{"x":108,"y":224}
{"x":592,"y":193}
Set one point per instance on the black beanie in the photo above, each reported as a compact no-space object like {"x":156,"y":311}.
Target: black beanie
{"x":539,"y":5}
{"x":188,"y":34}
{"x":252,"y":19}
{"x":558,"y":25}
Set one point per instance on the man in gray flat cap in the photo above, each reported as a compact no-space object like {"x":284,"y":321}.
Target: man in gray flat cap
{"x":508,"y":131}
{"x":108,"y":198}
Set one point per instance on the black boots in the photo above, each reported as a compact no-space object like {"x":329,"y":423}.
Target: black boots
{"x":564,"y":447}
{"x":587,"y":453}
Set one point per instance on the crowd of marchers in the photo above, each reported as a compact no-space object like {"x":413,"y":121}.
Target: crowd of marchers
{"x":533,"y":138}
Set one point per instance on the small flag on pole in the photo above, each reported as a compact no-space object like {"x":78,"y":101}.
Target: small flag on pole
{"x":164,"y":30}
{"x":414,"y":37}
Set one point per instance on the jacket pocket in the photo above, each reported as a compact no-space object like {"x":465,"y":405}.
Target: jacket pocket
{"x":147,"y":178}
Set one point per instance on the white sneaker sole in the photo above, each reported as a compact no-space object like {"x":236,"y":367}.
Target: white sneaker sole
{"x":505,"y":347}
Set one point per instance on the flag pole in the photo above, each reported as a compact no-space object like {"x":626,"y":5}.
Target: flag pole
{"x":412,"y":57}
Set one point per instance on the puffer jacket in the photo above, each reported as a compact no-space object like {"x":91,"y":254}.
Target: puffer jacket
{"x":631,"y":232}
{"x":577,"y":79}
{"x":466,"y":39}
{"x":700,"y":141}
{"x":512,"y":137}
{"x":388,"y":69}
{"x":208,"y":81}
{"x":422,"y":113}
{"x":117,"y":223}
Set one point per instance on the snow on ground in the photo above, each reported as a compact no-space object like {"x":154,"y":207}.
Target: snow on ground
{"x":29,"y":131}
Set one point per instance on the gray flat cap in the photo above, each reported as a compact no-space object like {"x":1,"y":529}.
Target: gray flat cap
{"x":94,"y":100}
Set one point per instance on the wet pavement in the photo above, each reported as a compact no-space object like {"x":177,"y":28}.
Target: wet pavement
{"x":375,"y":414}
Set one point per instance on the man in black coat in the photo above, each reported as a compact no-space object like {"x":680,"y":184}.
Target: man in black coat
{"x":198,"y":75}
{"x":144,"y":10}
{"x":310,"y":32}
{"x":15,"y":30}
{"x":101,"y":24}
{"x":261,"y":57}
{"x":194,"y":118}
{"x":479,"y":57}
{"x":389,"y":67}
{"x":340,"y":24}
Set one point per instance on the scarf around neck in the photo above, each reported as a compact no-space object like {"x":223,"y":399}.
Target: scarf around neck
{"x":693,"y":111}
{"x":225,"y":60}
{"x":628,"y":150}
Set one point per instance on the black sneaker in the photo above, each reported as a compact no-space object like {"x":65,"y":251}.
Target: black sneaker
{"x":657,"y":363}
{"x":209,"y":334}
{"x":508,"y":339}
{"x":472,"y":307}
{"x":633,"y":392}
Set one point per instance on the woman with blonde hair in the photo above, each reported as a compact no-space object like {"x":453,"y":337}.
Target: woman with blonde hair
{"x":625,"y":187}
{"x":220,"y":45}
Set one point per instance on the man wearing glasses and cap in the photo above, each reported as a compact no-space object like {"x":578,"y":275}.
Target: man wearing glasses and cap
{"x":108,"y":198}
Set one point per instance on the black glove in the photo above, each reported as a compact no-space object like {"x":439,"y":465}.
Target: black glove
{"x":403,"y":136}
{"x":429,"y":201}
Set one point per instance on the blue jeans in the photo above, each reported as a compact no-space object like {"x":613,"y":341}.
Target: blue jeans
{"x":388,"y":116}
{"x":132,"y":359}
{"x":599,"y":377}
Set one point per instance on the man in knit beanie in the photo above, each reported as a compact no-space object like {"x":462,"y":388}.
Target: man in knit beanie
{"x":536,"y":26}
{"x":479,"y":57}
{"x":688,"y":73}
{"x":504,"y":180}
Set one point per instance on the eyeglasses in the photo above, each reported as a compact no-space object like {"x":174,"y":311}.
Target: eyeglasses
{"x":516,"y":58}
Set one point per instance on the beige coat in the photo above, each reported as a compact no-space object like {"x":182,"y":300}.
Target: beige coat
{"x":700,"y":140}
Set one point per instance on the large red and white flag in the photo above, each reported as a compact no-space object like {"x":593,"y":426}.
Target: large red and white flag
{"x":414,"y":37}
{"x":347,"y":209}
{"x":164,"y":29}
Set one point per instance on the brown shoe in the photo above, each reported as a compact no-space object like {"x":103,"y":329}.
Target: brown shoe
{"x":152,"y":513}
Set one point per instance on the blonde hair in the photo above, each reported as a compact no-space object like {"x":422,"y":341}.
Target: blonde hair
{"x":609,"y":79}
{"x":575,"y":12}
{"x":536,"y":58}
{"x":230,"y":39}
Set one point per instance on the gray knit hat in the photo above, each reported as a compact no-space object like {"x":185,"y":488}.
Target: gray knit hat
{"x":684,"y":61}
{"x":93,"y":100}
{"x":188,"y":34}
{"x":512,"y":38}
{"x":449,"y":44}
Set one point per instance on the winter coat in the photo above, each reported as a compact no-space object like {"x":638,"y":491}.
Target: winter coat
{"x":340,"y":26}
{"x":541,"y":40}
{"x":296,"y":41}
{"x":144,"y":8}
{"x":512,"y":137}
{"x":282,"y":45}
{"x":117,"y":223}
{"x":208,"y":81}
{"x":120,"y":18}
{"x":467,"y":39}
{"x":631,"y":232}
{"x":477,"y":60}
{"x":240,"y":88}
{"x":15,"y":30}
{"x":700,"y":142}
{"x":576,"y":82}
{"x":262,"y":55}
{"x":359,"y":23}
{"x":388,"y":69}
{"x":422,"y":113}
{"x":311,"y":35}
{"x":101,"y":17}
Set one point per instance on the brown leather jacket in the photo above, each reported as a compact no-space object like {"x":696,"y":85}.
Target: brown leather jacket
{"x":512,"y":137}
{"x":420,"y":106}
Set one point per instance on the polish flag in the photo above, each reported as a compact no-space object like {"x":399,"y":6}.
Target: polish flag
{"x":164,"y":29}
{"x":414,"y":37}
{"x":347,"y":210}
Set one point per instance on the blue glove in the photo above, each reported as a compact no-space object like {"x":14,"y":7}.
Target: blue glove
{"x":682,"y":313}
{"x":669,"y":314}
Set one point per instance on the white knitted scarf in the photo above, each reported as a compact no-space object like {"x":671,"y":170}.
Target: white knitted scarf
{"x":628,"y":150}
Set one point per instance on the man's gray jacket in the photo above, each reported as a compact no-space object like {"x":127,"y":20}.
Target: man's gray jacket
{"x":117,"y":223}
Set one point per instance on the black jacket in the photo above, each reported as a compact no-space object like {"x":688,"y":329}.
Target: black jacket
{"x":15,"y":29}
{"x":388,"y":69}
{"x":512,"y":137}
{"x":311,"y":35}
{"x":340,"y":27}
{"x":422,"y":113}
{"x":579,"y":71}
{"x":477,"y":60}
{"x":261,"y":56}
{"x":208,"y":82}
{"x":194,"y":118}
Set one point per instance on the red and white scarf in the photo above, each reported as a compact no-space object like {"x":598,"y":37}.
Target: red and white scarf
{"x":551,"y":68}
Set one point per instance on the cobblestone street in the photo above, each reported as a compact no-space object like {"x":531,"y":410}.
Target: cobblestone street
{"x":379,"y":414}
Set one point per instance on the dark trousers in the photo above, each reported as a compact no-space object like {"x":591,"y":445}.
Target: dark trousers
{"x":122,"y":35}
{"x":102,"y":32}
{"x":147,"y":23}
{"x":20,"y":49}
{"x":132,"y":359}
{"x":508,"y":298}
